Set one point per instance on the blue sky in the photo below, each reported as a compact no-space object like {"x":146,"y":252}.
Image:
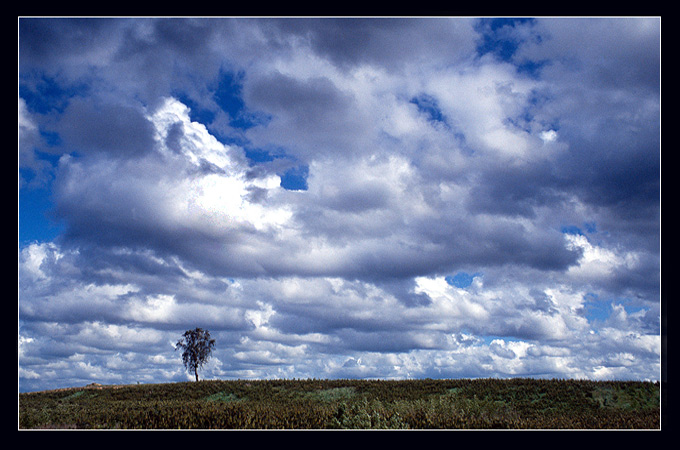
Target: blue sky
{"x":339,"y":198}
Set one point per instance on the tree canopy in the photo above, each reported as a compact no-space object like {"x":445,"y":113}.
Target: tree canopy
{"x":197,"y":346}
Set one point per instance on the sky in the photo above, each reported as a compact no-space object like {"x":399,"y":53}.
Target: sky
{"x":356,"y":197}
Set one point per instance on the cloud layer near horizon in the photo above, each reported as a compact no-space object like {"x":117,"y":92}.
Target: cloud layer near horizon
{"x":471,"y":198}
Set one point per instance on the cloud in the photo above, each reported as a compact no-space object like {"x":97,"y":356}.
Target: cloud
{"x":310,"y":116}
{"x":264,"y":325}
{"x":195,"y":196}
{"x":186,"y":195}
{"x":390,"y":42}
{"x":613,"y":53}
{"x":437,"y":147}
{"x":90,"y":126}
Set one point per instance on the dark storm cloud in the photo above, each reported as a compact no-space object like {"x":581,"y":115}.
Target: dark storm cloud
{"x":134,"y":58}
{"x":309,"y":118}
{"x":619,"y":173}
{"x":610,"y":53}
{"x":389,"y":42}
{"x":516,"y":191}
{"x":614,"y":140}
{"x":466,"y":241}
{"x":185,"y":38}
{"x":359,"y":198}
{"x":312,"y":102}
{"x":49,"y":42}
{"x":118,"y":130}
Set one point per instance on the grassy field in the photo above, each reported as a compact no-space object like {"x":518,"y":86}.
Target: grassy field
{"x":348,"y":404}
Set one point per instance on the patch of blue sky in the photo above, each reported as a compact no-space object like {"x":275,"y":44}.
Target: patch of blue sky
{"x":597,"y":310}
{"x":630,"y":305}
{"x":43,"y":94}
{"x":51,"y":138}
{"x":258,"y":155}
{"x":228,"y":96}
{"x":531,"y":68}
{"x":35,"y":222}
{"x":196,"y":112}
{"x":496,"y":42}
{"x":590,"y":227}
{"x":428,"y":105}
{"x":35,"y":204}
{"x":295,"y":179}
{"x":462,"y":280}
{"x":585,"y":228}
{"x":571,"y":229}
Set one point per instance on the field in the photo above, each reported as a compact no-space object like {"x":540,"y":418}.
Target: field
{"x":348,"y":404}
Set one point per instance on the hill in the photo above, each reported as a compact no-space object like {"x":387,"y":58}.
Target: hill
{"x":358,"y":404}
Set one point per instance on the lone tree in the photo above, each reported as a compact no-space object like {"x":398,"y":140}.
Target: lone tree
{"x":197,"y":346}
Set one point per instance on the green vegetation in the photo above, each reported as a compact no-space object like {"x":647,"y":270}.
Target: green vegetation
{"x":358,"y":404}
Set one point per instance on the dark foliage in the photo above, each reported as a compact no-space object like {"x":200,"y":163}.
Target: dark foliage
{"x":361,"y":404}
{"x":196,"y":346}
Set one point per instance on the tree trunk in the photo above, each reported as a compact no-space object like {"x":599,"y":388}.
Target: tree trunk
{"x":196,"y":373}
